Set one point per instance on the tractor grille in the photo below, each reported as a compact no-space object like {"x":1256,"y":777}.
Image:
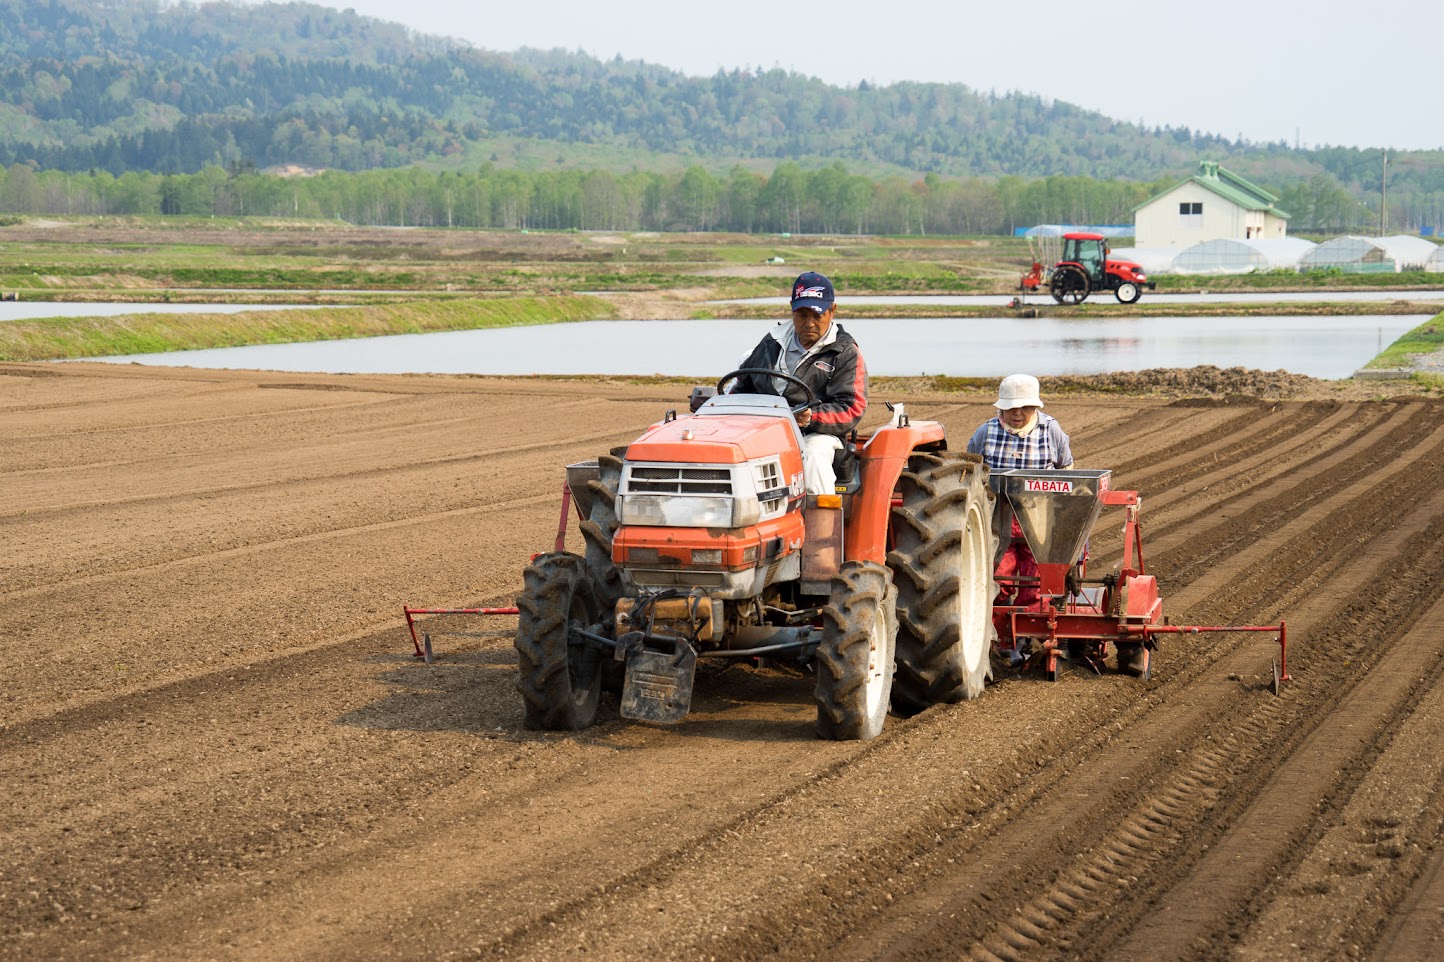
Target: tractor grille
{"x":770,"y":486}
{"x":680,"y":480}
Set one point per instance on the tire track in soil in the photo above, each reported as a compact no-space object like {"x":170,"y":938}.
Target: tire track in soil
{"x":1416,"y":933}
{"x":1040,"y":926}
{"x":1377,"y":854}
{"x":1360,"y":688}
{"x":420,"y":466}
{"x":280,"y":544}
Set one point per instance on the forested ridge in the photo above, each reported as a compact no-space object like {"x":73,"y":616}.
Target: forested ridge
{"x":117,"y":86}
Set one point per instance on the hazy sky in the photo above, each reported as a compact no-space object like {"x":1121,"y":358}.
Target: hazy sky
{"x":1342,"y":72}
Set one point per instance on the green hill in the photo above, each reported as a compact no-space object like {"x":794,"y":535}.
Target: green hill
{"x":135,"y":85}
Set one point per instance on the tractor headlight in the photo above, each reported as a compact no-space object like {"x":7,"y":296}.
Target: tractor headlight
{"x":674,"y":511}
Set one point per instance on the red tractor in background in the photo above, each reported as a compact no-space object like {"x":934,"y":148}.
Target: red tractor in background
{"x":1085,"y":267}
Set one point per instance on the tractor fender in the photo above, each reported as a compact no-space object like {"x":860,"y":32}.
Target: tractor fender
{"x":880,"y":464}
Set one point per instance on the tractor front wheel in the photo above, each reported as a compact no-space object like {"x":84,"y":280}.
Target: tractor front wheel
{"x":598,"y":530}
{"x":1127,"y":293}
{"x":601,"y":525}
{"x":559,"y":681}
{"x":942,"y":560}
{"x":1069,"y":285}
{"x":854,"y":661}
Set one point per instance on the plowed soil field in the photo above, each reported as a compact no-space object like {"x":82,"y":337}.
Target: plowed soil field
{"x":215,"y":742}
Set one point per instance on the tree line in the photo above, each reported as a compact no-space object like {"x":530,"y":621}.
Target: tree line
{"x":180,"y":89}
{"x":790,"y":199}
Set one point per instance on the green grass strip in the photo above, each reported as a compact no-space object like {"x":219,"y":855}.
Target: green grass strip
{"x":1427,"y":338}
{"x":45,"y":339}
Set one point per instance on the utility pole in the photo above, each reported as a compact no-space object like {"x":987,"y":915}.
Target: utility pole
{"x":1384,"y":198}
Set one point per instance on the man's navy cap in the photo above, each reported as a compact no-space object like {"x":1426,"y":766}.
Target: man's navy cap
{"x":812,"y":290}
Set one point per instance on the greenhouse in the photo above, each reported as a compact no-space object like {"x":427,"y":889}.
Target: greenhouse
{"x":1435,"y":262}
{"x":1225,"y":255}
{"x":1364,"y":255}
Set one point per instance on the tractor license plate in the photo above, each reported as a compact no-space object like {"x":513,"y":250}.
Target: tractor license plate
{"x":659,"y":685}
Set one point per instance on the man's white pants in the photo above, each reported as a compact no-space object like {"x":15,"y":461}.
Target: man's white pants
{"x":817,"y":452}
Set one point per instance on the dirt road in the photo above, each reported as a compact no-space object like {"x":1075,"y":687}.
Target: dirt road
{"x":215,"y":743}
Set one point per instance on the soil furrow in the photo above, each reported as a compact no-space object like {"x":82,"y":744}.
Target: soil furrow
{"x":217,"y":745}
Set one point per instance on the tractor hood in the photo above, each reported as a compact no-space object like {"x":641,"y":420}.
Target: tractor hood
{"x":727,"y":429}
{"x":1128,"y":270}
{"x":730,"y":439}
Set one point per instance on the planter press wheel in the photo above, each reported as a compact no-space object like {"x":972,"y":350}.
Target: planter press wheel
{"x":1069,"y":285}
{"x":1130,"y":650}
{"x":1128,"y":293}
{"x":809,"y":396}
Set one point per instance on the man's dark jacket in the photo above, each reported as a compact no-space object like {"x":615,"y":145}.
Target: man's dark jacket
{"x":833,"y":369}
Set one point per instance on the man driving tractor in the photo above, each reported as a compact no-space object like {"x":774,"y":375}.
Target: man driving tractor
{"x":816,"y":350}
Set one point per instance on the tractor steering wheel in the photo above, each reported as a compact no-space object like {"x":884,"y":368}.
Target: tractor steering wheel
{"x":732,"y":376}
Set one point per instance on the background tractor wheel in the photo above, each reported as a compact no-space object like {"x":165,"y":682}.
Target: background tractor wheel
{"x":942,"y":561}
{"x":1127,"y":293}
{"x":559,"y":681}
{"x":854,"y":661}
{"x":1069,"y":285}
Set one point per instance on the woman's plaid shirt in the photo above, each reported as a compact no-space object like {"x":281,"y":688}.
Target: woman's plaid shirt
{"x":1045,"y":447}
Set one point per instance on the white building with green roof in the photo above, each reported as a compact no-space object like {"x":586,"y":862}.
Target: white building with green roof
{"x":1212,"y":204}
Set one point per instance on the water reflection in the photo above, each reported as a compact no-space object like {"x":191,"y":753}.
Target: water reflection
{"x":1325,"y":347}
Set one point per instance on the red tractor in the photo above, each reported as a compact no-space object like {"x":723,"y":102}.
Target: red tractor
{"x":702,"y":545}
{"x":1085,"y":267}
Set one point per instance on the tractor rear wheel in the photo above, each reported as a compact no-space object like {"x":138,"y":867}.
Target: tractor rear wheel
{"x":559,"y":681}
{"x":854,"y":661}
{"x":1069,"y":285}
{"x":1127,"y":293}
{"x":942,"y":561}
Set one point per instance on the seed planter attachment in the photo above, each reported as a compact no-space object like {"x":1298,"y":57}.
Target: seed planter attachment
{"x":1075,"y":616}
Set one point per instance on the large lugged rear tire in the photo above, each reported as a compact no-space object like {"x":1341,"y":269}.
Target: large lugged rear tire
{"x":854,"y":661}
{"x":942,"y":561}
{"x":560,"y":682}
{"x":1069,"y":285}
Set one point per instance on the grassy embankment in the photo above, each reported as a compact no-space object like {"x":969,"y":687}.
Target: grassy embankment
{"x":73,"y":337}
{"x":1427,"y":338}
